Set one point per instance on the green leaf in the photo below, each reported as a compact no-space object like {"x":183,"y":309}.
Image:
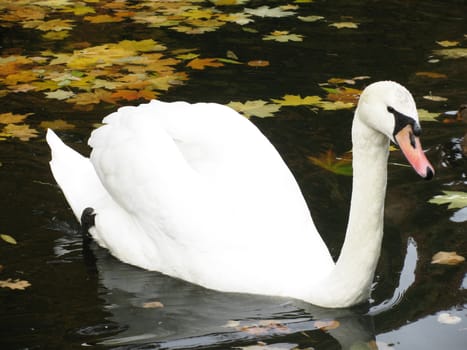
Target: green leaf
{"x":8,"y":239}
{"x":456,"y":199}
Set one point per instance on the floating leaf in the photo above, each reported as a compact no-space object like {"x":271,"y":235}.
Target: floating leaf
{"x":310,"y":18}
{"x":426,"y":116}
{"x":334,"y":106}
{"x":10,"y":118}
{"x":447,"y":43}
{"x":59,"y":94}
{"x":452,"y":53}
{"x":202,"y":63}
{"x":446,"y":318}
{"x":266,"y":11}
{"x":59,"y":124}
{"x":433,"y":75}
{"x":153,"y":305}
{"x":8,"y":239}
{"x":435,"y":98}
{"x":23,"y":132}
{"x":283,"y":36}
{"x":297,"y":100}
{"x":257,"y":108}
{"x":456,"y":199}
{"x":258,"y":63}
{"x":346,"y":25}
{"x":330,"y":162}
{"x":447,"y":258}
{"x":14,"y":284}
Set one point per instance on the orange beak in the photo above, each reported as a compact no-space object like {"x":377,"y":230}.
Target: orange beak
{"x":412,"y":149}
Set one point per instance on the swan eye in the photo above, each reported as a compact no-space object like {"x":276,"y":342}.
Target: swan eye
{"x":401,"y":121}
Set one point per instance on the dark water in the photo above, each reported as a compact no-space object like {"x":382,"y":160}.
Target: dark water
{"x":82,"y":297}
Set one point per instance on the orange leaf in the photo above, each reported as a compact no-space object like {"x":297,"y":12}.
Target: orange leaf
{"x":432,"y":75}
{"x":258,"y":63}
{"x":447,"y":258}
{"x":201,"y":63}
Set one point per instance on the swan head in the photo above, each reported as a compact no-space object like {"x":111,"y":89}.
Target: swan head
{"x":390,"y":109}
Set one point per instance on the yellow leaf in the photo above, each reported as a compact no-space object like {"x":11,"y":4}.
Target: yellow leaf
{"x":58,"y":124}
{"x":56,"y":35}
{"x":14,"y":284}
{"x":447,"y":258}
{"x":334,"y":106}
{"x":22,"y":132}
{"x":103,"y":19}
{"x":447,"y":43}
{"x":347,"y":25}
{"x":56,"y":25}
{"x":8,"y":239}
{"x":10,"y":118}
{"x":257,"y":108}
{"x":201,"y":63}
{"x":297,"y":100}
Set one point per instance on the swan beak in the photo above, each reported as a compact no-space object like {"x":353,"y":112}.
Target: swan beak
{"x":413,"y":151}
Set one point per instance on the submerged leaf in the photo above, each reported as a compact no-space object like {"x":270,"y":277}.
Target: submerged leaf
{"x":347,"y":25}
{"x":447,"y":258}
{"x":330,"y":162}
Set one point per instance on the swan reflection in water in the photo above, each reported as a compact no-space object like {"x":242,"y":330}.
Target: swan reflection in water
{"x":156,"y":311}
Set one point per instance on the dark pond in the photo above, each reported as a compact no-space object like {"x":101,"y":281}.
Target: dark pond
{"x":81,"y":297}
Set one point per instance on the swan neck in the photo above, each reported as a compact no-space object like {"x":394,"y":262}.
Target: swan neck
{"x":350,"y":280}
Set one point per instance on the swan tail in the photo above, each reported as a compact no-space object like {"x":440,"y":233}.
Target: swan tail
{"x":75,"y":175}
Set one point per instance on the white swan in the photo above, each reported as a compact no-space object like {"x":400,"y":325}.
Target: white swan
{"x":195,"y":191}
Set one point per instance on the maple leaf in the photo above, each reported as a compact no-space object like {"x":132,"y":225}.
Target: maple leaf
{"x":257,"y":108}
{"x":60,"y":94}
{"x":447,"y":43}
{"x":283,"y":36}
{"x":310,"y":18}
{"x":56,"y":25}
{"x":10,"y":118}
{"x":334,"y":106}
{"x":330,"y":162}
{"x":453,"y":53}
{"x":266,"y":11}
{"x":201,"y":63}
{"x":15,"y":284}
{"x":103,"y":19}
{"x":297,"y":100}
{"x":347,"y":25}
{"x":23,"y":132}
{"x":258,"y":63}
{"x":426,"y":116}
{"x":58,"y":124}
{"x":327,"y":325}
{"x":456,"y":199}
{"x":447,"y":258}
